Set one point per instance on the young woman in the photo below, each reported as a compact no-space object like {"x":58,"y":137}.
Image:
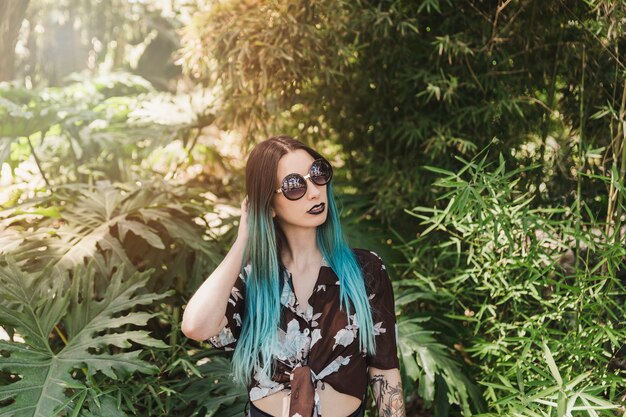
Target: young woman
{"x":309,"y":318}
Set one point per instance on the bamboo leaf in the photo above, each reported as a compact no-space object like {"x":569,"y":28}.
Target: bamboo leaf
{"x":554,"y":370}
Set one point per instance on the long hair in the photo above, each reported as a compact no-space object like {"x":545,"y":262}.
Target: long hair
{"x":258,"y":336}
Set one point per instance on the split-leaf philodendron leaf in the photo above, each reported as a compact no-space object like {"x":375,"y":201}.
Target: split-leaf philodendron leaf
{"x":36,"y":306}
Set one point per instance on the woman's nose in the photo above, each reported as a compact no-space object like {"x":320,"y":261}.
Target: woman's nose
{"x":314,"y":190}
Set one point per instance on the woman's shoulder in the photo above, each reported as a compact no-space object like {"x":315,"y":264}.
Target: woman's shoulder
{"x":366,"y":255}
{"x":369,"y":260}
{"x":373,"y":268}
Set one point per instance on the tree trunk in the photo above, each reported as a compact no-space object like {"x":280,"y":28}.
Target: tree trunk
{"x":12,"y":14}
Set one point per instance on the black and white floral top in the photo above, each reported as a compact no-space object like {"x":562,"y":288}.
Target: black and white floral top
{"x":323,"y":340}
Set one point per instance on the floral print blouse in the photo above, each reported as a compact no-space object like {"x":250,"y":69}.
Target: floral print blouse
{"x":322,"y":343}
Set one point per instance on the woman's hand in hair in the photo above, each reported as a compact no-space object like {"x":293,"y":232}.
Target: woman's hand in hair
{"x":204,"y":314}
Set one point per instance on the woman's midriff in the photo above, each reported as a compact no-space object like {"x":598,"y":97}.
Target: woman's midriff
{"x":333,"y":402}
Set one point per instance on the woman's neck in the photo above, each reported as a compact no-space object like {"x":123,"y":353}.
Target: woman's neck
{"x":301,"y":251}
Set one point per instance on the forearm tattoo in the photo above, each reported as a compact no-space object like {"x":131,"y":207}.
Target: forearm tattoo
{"x":388,"y":398}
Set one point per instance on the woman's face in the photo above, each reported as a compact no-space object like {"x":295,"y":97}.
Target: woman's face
{"x":294,"y":213}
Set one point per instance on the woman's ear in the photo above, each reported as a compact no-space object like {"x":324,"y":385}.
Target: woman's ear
{"x":273,"y":213}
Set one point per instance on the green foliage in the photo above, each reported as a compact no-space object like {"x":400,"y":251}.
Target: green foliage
{"x":561,"y":398}
{"x":500,"y":263}
{"x":274,"y":45}
{"x":107,"y":128}
{"x":112,"y":226}
{"x":429,"y":364}
{"x":95,"y":335}
{"x":401,"y":85}
{"x":511,"y":296}
{"x":216,"y":393}
{"x":159,"y":229}
{"x":23,"y":113}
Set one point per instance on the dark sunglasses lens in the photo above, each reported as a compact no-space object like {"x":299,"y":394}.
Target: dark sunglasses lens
{"x":321,"y":172}
{"x":294,"y":186}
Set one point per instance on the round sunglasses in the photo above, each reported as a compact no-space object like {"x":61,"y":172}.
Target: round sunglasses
{"x":294,"y":186}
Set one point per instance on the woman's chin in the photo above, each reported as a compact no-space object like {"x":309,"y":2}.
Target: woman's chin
{"x":309,"y":221}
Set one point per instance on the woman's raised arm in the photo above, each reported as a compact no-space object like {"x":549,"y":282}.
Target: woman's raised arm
{"x":204,"y":314}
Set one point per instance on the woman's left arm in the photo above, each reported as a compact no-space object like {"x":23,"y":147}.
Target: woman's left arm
{"x":387,"y":388}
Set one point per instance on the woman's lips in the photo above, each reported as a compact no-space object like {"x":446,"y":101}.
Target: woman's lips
{"x":317,"y":209}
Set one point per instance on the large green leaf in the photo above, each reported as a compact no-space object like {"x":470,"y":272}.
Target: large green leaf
{"x":17,"y":120}
{"x":97,"y":220}
{"x":426,"y":360}
{"x":96,"y":336}
{"x":216,"y":392}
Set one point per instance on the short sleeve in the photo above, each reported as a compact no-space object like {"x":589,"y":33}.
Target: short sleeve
{"x":228,"y":336}
{"x":383,"y":316}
